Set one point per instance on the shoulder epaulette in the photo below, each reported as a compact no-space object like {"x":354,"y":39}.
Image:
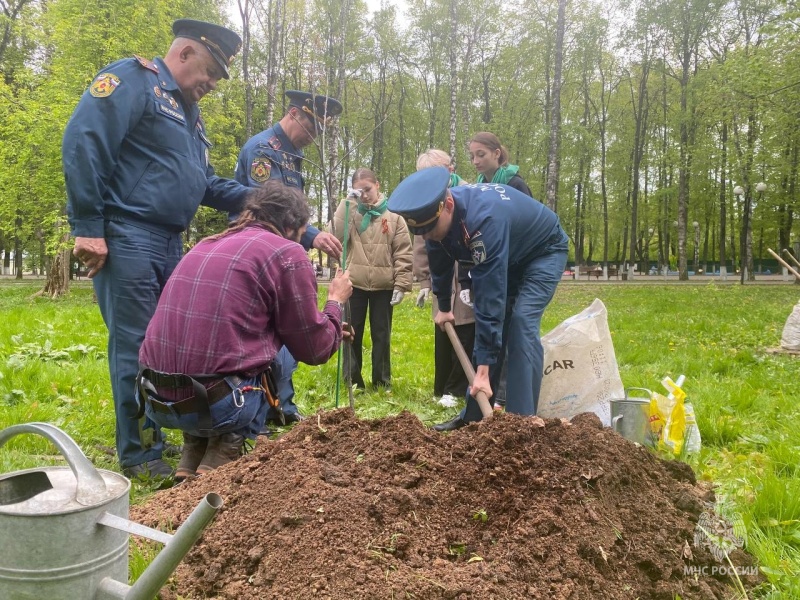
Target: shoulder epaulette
{"x":147,"y":64}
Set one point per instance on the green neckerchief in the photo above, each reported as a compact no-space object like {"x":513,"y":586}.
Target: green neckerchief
{"x":502,"y":176}
{"x":370,"y":213}
{"x":455,"y":180}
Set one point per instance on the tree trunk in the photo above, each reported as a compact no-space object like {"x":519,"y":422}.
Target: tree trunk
{"x":57,"y":283}
{"x":453,"y":77}
{"x":555,"y":117}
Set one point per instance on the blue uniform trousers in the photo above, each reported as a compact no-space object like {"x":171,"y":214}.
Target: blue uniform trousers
{"x":128,"y":287}
{"x":284,"y":367}
{"x":528,"y":295}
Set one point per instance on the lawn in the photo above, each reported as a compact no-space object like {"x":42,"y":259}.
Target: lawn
{"x":53,"y":369}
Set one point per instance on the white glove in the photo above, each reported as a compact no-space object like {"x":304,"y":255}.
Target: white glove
{"x":465,"y":298}
{"x":397,"y":297}
{"x":423,"y":296}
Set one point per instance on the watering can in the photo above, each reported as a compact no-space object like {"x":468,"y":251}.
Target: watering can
{"x":630,"y":417}
{"x":64,"y":530}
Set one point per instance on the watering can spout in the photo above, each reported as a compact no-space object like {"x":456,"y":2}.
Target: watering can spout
{"x":177,"y":546}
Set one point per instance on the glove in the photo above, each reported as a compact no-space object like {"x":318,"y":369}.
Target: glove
{"x":465,"y":298}
{"x":423,"y":296}
{"x":397,"y":297}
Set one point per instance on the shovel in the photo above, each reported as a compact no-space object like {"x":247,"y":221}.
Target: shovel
{"x":466,"y":364}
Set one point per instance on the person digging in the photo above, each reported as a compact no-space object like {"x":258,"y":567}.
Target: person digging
{"x":518,"y":252}
{"x":208,"y":357}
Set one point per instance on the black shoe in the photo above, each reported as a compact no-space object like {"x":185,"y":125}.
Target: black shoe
{"x":451,"y":425}
{"x":294,"y":417}
{"x":152,"y":469}
{"x":288,"y":419}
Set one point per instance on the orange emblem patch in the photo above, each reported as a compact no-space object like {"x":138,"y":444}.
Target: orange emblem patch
{"x":104,"y":85}
{"x":260,"y":170}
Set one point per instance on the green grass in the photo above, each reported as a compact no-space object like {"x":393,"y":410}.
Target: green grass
{"x":53,"y":369}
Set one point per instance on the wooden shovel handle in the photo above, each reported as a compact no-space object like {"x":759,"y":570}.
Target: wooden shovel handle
{"x":784,"y":263}
{"x":466,"y":364}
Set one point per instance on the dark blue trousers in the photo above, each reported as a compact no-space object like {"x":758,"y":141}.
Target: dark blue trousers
{"x":128,"y":288}
{"x":284,"y":367}
{"x":529,"y":293}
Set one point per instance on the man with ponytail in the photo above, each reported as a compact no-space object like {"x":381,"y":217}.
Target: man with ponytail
{"x":208,"y":358}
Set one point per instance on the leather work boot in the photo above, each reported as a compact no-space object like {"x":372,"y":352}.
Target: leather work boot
{"x":194,"y":448}
{"x":220,"y":451}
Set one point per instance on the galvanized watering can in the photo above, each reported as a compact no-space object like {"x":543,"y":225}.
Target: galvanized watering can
{"x":630,"y":417}
{"x":64,"y":530}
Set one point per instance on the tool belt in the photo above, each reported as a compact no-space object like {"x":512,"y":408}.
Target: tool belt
{"x":150,"y":382}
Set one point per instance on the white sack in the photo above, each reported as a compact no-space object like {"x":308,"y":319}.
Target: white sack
{"x":580,"y":367}
{"x":790,"y":340}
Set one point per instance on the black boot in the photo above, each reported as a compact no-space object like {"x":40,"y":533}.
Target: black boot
{"x":451,"y":425}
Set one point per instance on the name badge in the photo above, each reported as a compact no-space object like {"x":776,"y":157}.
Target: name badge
{"x":171,"y":113}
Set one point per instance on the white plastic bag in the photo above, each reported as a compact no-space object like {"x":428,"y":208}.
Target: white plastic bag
{"x":580,"y":367}
{"x":790,"y":340}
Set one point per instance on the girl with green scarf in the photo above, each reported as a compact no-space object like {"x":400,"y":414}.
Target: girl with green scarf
{"x":490,"y":158}
{"x":379,"y":261}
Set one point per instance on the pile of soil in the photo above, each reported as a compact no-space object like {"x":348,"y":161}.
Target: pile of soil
{"x":342,"y":508}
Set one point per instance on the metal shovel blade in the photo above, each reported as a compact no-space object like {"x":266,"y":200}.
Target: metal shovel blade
{"x":24,"y":486}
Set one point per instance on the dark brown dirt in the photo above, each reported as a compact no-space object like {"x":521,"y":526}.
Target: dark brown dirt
{"x":341,"y":508}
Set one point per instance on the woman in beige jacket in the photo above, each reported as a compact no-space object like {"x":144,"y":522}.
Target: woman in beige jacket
{"x":379,"y":260}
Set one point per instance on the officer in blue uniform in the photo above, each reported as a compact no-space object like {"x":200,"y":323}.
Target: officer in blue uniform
{"x":518,"y":252}
{"x":135,"y":157}
{"x":277,"y":153}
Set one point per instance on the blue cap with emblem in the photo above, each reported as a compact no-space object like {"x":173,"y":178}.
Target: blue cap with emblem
{"x":320,"y":109}
{"x":222,"y":43}
{"x":420,"y":198}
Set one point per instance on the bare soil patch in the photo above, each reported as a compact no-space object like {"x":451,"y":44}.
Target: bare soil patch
{"x":342,"y":508}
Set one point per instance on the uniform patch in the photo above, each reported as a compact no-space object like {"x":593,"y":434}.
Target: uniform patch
{"x":173,"y":102}
{"x":104,"y":85}
{"x":260,"y":170}
{"x":478,"y":251}
{"x":157,"y":91}
{"x":172,"y":114}
{"x":275,"y":142}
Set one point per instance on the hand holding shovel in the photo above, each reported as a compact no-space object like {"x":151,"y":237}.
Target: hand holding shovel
{"x":466,"y":364}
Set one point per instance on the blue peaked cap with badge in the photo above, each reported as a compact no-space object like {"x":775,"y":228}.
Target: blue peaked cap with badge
{"x":320,"y":109}
{"x":222,"y":43}
{"x":419,"y":198}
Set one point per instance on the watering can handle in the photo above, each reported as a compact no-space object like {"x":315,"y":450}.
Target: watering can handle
{"x":91,"y":487}
{"x":614,"y":422}
{"x":637,"y":389}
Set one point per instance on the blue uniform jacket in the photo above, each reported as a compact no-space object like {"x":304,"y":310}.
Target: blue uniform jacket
{"x":497,"y":230}
{"x":271,"y":155}
{"x":135,"y":151}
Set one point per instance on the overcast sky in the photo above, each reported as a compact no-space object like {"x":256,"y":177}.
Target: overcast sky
{"x":372,"y":6}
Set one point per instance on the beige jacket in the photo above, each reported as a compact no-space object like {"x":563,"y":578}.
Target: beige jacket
{"x":380,"y":257}
{"x":422,"y":273}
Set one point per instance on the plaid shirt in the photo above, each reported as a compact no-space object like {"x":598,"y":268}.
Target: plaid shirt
{"x":231,"y":303}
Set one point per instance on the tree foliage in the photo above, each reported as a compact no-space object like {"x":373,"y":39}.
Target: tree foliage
{"x":665,"y":107}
